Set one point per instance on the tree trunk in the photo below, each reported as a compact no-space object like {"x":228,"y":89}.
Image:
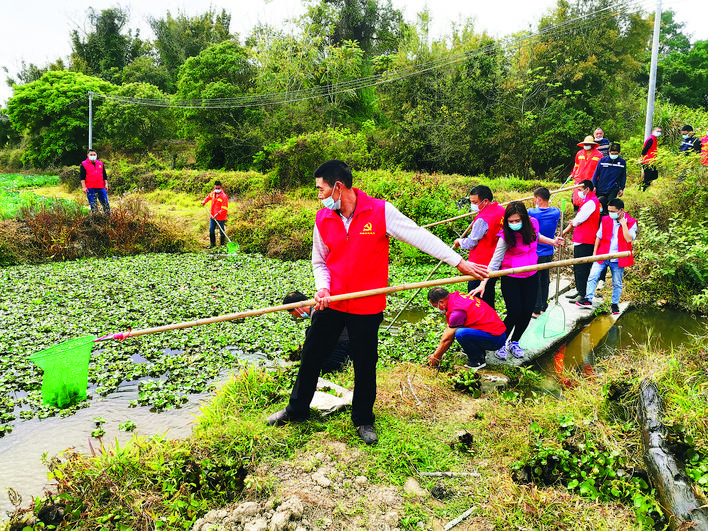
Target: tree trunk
{"x":668,"y":475}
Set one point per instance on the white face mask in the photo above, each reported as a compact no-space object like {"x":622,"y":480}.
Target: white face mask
{"x":217,"y":190}
{"x":474,"y":208}
{"x":587,"y":148}
{"x":614,"y":157}
{"x":657,"y":134}
{"x":581,"y":195}
{"x":329,"y":202}
{"x":93,"y":157}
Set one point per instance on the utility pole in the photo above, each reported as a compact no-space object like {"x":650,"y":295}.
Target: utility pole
{"x":652,"y":73}
{"x":90,"y":94}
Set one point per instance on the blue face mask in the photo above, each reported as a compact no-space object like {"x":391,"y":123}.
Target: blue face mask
{"x":685,"y":137}
{"x":614,"y":215}
{"x":516,"y":226}
{"x":614,"y":157}
{"x":330,"y":203}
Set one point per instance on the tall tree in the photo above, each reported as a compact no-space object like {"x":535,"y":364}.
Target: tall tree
{"x":178,"y":39}
{"x":221,"y":71}
{"x":52,"y":113}
{"x":107,"y":46}
{"x":374,"y":25}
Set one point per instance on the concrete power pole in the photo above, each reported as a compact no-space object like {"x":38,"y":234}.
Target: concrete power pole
{"x":90,"y":94}
{"x":652,"y":73}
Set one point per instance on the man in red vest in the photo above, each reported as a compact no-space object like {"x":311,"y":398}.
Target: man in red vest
{"x":482,"y":239}
{"x":470,"y":321}
{"x":350,"y":253}
{"x":616,"y":233}
{"x":584,"y":226}
{"x":94,"y":182}
{"x":649,"y":157}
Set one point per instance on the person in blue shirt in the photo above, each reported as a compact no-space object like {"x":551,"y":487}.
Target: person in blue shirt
{"x":548,"y":218}
{"x":689,"y":143}
{"x":610,"y":175}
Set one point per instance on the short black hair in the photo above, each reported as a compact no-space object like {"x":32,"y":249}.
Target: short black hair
{"x":217,"y":183}
{"x":435,"y":295}
{"x":687,"y":128}
{"x":617,"y":203}
{"x":92,"y":151}
{"x":294,"y":296}
{"x":483,"y":192}
{"x":588,"y":184}
{"x":615,"y":147}
{"x":333,"y":171}
{"x":542,"y":192}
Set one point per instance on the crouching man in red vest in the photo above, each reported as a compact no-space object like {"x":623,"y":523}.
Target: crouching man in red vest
{"x":470,"y":321}
{"x":350,"y":253}
{"x":616,"y":233}
{"x":94,"y":182}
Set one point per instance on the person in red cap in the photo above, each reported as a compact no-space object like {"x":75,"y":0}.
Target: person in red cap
{"x":585,"y":163}
{"x":219,"y":210}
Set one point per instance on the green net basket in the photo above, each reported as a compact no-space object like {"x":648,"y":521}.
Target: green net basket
{"x":65,"y":369}
{"x":232,"y":247}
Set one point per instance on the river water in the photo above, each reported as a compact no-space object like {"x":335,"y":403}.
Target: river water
{"x":21,"y":450}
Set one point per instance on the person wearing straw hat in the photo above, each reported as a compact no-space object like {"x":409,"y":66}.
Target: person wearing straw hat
{"x":586,"y":161}
{"x":350,"y":244}
{"x":94,"y":182}
{"x":218,"y":212}
{"x":470,"y":321}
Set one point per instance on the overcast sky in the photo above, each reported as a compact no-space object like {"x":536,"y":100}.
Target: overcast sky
{"x":37,"y":31}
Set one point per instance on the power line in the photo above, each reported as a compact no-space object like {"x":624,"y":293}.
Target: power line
{"x":260,"y":100}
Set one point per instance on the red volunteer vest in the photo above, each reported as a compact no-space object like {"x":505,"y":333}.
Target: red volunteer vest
{"x":587,"y":230}
{"x":357,"y":260}
{"x":651,"y":154}
{"x":584,"y":169}
{"x":94,"y":174}
{"x":493,"y":214}
{"x":480,"y":315}
{"x":622,"y":244}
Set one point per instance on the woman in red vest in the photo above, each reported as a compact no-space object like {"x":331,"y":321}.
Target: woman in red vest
{"x":616,"y":233}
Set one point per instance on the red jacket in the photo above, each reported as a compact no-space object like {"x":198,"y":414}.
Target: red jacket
{"x":357,"y":260}
{"x":219,"y":205}
{"x":585,"y":164}
{"x":586,"y":232}
{"x":622,"y":244}
{"x":704,"y":150}
{"x":94,"y":174}
{"x":480,"y":315}
{"x":651,"y":154}
{"x":493,"y":214}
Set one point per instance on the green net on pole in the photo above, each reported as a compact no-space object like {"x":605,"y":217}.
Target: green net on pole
{"x":540,"y":330}
{"x":65,"y":369}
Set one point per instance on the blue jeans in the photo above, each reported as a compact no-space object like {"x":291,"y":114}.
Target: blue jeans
{"x":475,"y":343}
{"x":102,"y":195}
{"x":596,"y":271}
{"x":212,"y":231}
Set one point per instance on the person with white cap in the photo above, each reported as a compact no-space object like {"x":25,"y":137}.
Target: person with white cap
{"x":586,"y":161}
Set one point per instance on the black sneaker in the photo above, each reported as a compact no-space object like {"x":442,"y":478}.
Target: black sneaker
{"x":367,"y":434}
{"x":571,"y":294}
{"x":583,"y":303}
{"x":475,"y":366}
{"x":615,"y":309}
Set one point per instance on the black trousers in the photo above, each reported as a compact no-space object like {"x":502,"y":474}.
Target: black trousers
{"x":519,"y":297}
{"x":581,"y":272}
{"x":321,"y":338}
{"x":544,"y":279}
{"x":650,"y":174}
{"x":488,"y":296}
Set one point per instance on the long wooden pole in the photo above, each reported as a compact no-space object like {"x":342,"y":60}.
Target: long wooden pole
{"x":366,"y":293}
{"x":468,"y":214}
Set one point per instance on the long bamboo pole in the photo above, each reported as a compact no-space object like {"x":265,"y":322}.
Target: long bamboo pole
{"x":366,"y":293}
{"x":468,"y":214}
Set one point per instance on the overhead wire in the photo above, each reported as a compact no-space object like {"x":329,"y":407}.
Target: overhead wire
{"x":260,"y":100}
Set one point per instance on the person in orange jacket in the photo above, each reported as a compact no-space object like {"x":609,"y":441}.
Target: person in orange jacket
{"x":219,"y":210}
{"x":585,"y":163}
